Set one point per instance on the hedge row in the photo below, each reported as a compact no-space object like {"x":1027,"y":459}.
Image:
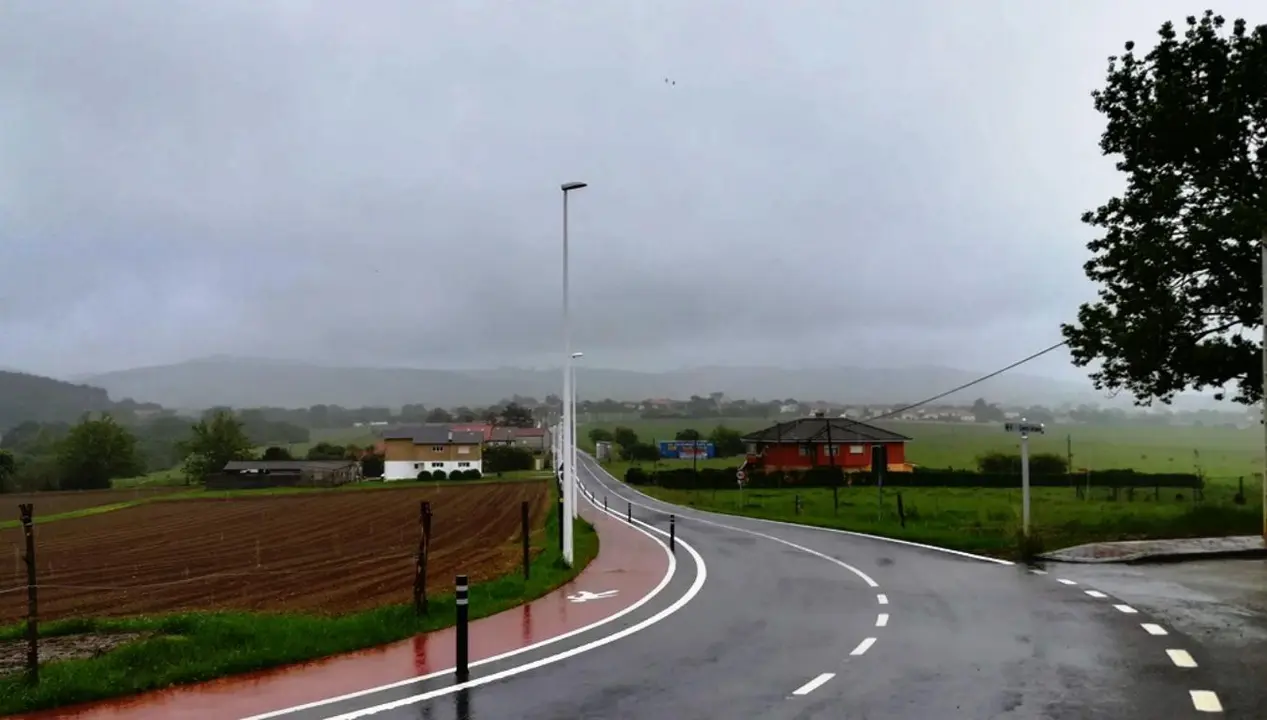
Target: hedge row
{"x":718,"y":478}
{"x":455,"y":475}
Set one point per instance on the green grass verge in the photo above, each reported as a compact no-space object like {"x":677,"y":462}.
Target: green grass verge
{"x":193,"y":647}
{"x":988,"y":521}
{"x":82,"y":512}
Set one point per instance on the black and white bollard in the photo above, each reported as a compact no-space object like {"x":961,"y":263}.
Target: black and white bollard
{"x":604,"y":503}
{"x":629,"y":512}
{"x":672,"y":534}
{"x":463,"y":656}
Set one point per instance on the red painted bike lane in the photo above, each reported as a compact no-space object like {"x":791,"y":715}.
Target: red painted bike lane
{"x":628,"y":562}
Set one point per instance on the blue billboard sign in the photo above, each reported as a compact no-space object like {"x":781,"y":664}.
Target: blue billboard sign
{"x":687,"y":449}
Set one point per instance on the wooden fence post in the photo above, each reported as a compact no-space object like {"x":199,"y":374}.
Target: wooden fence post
{"x":26,"y":511}
{"x":424,"y":549}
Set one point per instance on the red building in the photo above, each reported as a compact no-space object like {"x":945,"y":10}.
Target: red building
{"x":810,"y":442}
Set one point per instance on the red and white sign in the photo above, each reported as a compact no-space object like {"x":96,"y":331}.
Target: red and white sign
{"x":740,"y":475}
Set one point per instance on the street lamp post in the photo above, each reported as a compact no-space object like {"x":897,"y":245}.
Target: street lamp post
{"x":575,"y":506}
{"x":569,"y":478}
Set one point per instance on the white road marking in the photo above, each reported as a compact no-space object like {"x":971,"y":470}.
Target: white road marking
{"x":1153,"y":629}
{"x":882,"y":620}
{"x":1065,"y":582}
{"x":1181,"y":658}
{"x":1096,"y":594}
{"x":1126,"y":609}
{"x":882,"y":598}
{"x":863,"y":646}
{"x":586,"y":595}
{"x":799,"y":526}
{"x":1036,"y":571}
{"x":672,"y":569}
{"x":814,"y":684}
{"x":1205,"y":701}
{"x":700,"y":577}
{"x":810,"y":551}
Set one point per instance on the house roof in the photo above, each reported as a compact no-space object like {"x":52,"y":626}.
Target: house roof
{"x":433,"y":435}
{"x":511,"y":433}
{"x":815,"y":430}
{"x":284,"y":465}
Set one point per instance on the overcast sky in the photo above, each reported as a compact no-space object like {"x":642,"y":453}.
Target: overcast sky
{"x":377,"y":182}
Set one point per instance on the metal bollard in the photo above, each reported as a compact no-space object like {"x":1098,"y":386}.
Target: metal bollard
{"x":672,"y":534}
{"x":604,"y":502}
{"x":629,"y":512}
{"x":463,"y":657}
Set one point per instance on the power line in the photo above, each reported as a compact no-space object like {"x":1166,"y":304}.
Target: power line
{"x":966,"y":385}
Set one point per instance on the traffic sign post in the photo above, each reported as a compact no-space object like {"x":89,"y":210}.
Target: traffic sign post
{"x":739,"y":478}
{"x":1024,"y":428}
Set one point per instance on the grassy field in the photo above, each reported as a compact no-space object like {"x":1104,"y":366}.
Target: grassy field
{"x":988,"y":521}
{"x":1220,"y":453}
{"x":191,"y":647}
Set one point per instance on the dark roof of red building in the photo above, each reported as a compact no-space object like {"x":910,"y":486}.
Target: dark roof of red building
{"x":816,"y":430}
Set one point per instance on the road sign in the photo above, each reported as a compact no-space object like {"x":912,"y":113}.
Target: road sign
{"x":1024,"y":427}
{"x":586,"y":595}
{"x":739,"y":476}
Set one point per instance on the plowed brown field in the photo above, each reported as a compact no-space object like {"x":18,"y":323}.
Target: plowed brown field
{"x":53,"y":503}
{"x":317,"y":552}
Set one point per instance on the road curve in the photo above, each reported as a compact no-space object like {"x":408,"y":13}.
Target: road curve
{"x":796,"y":622}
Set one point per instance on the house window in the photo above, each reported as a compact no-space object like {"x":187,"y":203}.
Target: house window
{"x":437,"y":464}
{"x":437,"y":448}
{"x":855,"y":449}
{"x":805,"y":449}
{"x":464,"y":464}
{"x":417,"y":466}
{"x":464,"y":450}
{"x":833,"y":450}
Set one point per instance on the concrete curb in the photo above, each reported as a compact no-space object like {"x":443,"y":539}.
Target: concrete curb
{"x":1246,"y":547}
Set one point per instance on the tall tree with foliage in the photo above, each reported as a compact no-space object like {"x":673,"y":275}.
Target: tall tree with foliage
{"x":216,"y":440}
{"x":95,"y":452}
{"x":1178,"y":261}
{"x":8,"y":468}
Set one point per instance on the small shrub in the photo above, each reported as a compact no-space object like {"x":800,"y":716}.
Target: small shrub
{"x":439,"y":475}
{"x":473,"y":475}
{"x":424,"y":475}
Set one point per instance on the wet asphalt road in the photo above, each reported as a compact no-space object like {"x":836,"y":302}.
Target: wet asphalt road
{"x":1216,"y":608}
{"x":938,"y":637}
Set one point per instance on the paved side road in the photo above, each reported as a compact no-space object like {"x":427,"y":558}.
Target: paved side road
{"x":795,"y":622}
{"x":1217,"y":606}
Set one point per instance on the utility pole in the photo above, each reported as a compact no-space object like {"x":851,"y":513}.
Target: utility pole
{"x":1024,"y":428}
{"x":1263,"y":248}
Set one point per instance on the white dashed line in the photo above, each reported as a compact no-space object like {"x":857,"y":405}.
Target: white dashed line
{"x":814,"y":684}
{"x":863,"y":646}
{"x":1153,"y":629}
{"x":1037,"y":571}
{"x":1096,"y":594}
{"x":1205,"y":701}
{"x":1181,"y":658}
{"x":1063,"y":581}
{"x":882,"y":620}
{"x":1126,"y":609}
{"x":884,"y":599}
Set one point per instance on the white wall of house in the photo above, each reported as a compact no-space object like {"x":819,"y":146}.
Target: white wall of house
{"x":408,"y":470}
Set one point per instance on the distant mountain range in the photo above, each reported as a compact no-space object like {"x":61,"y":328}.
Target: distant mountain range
{"x":242,"y":382}
{"x":32,"y":397}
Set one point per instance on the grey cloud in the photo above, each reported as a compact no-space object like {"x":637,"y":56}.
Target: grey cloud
{"x":378,"y":182}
